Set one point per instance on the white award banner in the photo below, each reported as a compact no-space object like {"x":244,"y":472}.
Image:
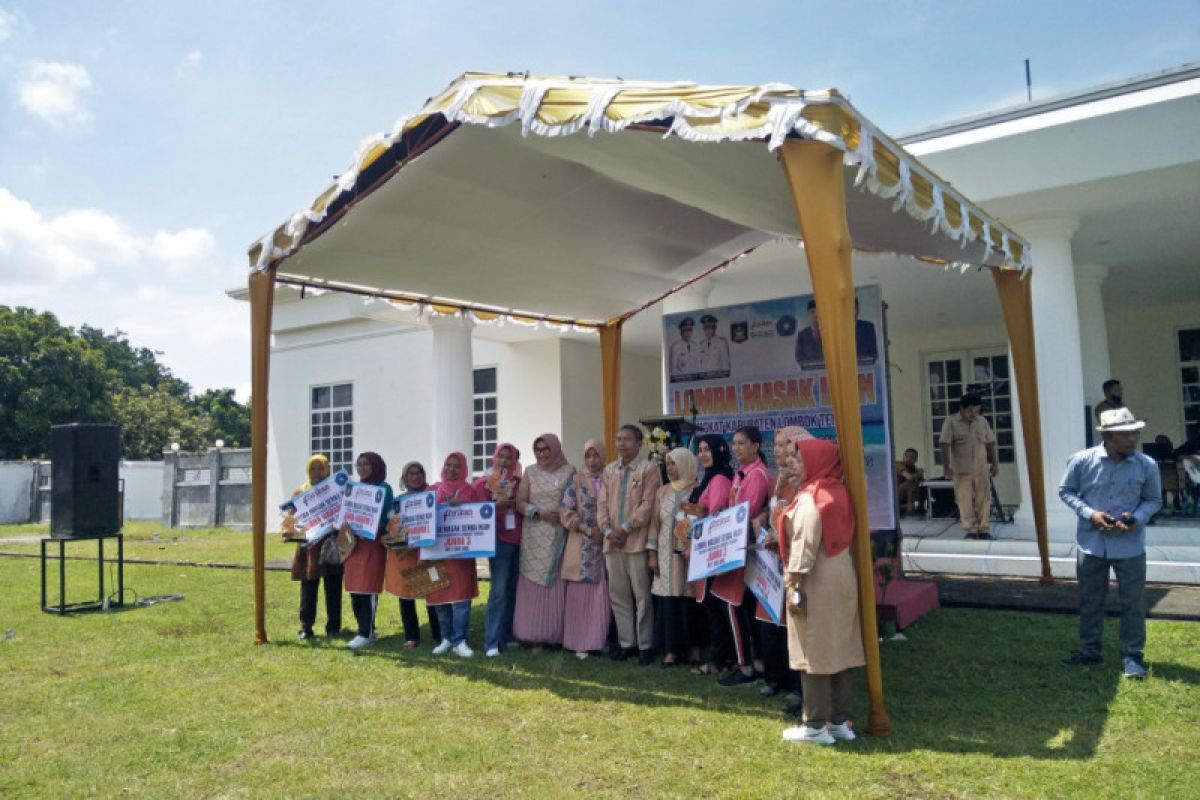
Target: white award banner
{"x":418,"y":514}
{"x":465,"y":531}
{"x":719,"y":543}
{"x":317,"y":509}
{"x":764,"y":577}
{"x":362,"y":508}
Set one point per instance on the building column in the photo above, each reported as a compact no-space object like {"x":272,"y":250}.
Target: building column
{"x":1059,"y":356}
{"x":1093,"y":329}
{"x":453,"y":389}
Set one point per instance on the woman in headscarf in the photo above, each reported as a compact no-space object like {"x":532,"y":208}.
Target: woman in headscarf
{"x":367,"y":562}
{"x":586,"y":607}
{"x":824,"y":628}
{"x":541,"y":591}
{"x":453,"y":603}
{"x":778,"y":676}
{"x":751,"y":484}
{"x":708,"y":497}
{"x":665,"y":556}
{"x":500,"y":486}
{"x":401,"y":557}
{"x":308,"y":569}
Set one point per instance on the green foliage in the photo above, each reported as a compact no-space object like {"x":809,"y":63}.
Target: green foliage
{"x":50,"y":375}
{"x":152,"y":418}
{"x":227,"y":418}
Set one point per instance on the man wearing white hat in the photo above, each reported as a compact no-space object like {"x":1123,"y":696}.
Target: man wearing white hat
{"x":1114,"y":490}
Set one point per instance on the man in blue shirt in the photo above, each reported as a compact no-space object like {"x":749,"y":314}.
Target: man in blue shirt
{"x":1114,"y":490}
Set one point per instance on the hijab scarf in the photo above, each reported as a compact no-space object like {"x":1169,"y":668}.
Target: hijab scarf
{"x":685,"y":465}
{"x":823,"y":481}
{"x":446,"y":489}
{"x":317,"y":459}
{"x":404,"y":478}
{"x":720,"y":466}
{"x":511,"y":474}
{"x":557,"y":459}
{"x":378,"y":468}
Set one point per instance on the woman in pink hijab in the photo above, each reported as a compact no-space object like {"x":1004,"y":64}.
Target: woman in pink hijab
{"x":500,"y":486}
{"x":541,"y":591}
{"x":453,"y":604}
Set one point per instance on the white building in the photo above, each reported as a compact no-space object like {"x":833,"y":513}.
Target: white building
{"x":1104,"y":183}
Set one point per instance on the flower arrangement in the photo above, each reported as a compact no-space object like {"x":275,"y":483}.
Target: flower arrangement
{"x":658,"y":444}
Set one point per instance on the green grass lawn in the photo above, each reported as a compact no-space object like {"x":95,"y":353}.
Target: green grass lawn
{"x":173,"y":700}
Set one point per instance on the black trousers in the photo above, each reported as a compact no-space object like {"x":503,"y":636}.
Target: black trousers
{"x":364,"y":612}
{"x":720,"y":632}
{"x":412,"y":624}
{"x":333,"y":602}
{"x":776,"y":669}
{"x":671,"y":633}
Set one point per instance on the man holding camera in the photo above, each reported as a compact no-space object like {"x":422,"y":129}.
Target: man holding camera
{"x":1114,"y":490}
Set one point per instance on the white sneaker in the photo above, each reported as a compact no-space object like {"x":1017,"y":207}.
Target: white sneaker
{"x":462,"y":651}
{"x":844,"y":731}
{"x":581,"y":655}
{"x":442,"y":648}
{"x":359,"y":642}
{"x":803,"y":733}
{"x":493,"y":652}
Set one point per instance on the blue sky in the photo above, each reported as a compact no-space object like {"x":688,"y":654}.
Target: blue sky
{"x":145,"y":144}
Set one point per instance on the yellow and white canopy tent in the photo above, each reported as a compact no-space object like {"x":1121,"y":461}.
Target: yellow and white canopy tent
{"x":577,"y":203}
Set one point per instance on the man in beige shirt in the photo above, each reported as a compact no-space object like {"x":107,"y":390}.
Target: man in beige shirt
{"x":969,"y":455}
{"x":625,"y":513}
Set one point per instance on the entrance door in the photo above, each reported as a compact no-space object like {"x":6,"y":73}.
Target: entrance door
{"x":985,"y":371}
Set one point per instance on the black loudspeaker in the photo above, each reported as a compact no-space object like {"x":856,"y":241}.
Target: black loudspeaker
{"x":83,"y":480}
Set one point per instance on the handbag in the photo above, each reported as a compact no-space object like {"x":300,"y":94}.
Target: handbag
{"x":330,"y":555}
{"x":426,"y":578}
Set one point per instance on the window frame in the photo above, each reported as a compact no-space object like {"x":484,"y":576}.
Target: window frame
{"x":324,"y":420}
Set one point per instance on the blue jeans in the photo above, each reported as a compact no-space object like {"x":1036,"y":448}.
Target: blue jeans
{"x":454,"y":619}
{"x":1092,"y":573}
{"x":502,"y":596}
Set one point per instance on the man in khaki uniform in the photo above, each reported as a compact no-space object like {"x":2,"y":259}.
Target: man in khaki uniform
{"x":625,"y":513}
{"x":969,"y":456}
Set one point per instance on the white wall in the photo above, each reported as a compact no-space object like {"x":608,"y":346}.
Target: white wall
{"x":16,"y":491}
{"x":1144,"y":353}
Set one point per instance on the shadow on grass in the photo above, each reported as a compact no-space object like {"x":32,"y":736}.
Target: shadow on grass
{"x":596,"y":679}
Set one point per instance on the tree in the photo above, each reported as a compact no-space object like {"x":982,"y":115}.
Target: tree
{"x":48,"y":376}
{"x":228,"y":419}
{"x":132,"y":366}
{"x":153,"y":418}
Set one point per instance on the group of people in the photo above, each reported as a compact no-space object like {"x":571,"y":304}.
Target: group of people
{"x":596,"y":557}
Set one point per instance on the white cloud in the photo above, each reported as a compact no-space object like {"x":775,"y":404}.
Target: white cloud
{"x":53,"y":92}
{"x":191,"y":62}
{"x":164,"y":288}
{"x":8,"y":22}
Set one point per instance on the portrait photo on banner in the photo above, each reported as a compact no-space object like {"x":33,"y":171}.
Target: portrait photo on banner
{"x":763,"y":364}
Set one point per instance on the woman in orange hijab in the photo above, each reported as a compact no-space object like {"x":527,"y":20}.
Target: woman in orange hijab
{"x":824,"y":629}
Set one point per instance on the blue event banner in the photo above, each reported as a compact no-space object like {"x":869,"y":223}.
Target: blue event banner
{"x":464,"y":531}
{"x":719,"y":543}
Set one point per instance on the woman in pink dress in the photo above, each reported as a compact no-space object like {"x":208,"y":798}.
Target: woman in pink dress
{"x":586,"y":605}
{"x":367,"y":562}
{"x":541,"y":591}
{"x":751,"y":484}
{"x":710,"y":496}
{"x":453,"y":603}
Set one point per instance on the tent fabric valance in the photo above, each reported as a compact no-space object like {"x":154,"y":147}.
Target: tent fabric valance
{"x":771,"y":113}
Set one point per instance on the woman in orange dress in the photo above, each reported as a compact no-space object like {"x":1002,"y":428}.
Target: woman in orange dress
{"x":401,"y":557}
{"x":453,"y":604}
{"x":368,"y":560}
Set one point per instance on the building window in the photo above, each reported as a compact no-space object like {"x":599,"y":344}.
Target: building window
{"x":331,"y":424}
{"x":485,"y":420}
{"x":1189,"y":374}
{"x":949,"y":376}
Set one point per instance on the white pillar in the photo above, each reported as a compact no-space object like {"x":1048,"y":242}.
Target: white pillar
{"x":453,"y":390}
{"x":1059,"y":355}
{"x":1093,"y":329}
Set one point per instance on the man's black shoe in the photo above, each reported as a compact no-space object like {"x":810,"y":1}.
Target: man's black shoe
{"x":738,"y":678}
{"x":1078,"y":659}
{"x":618,"y":653}
{"x":645,"y":658}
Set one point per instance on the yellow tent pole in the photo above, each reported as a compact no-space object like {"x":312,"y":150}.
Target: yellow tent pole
{"x":814,"y":174}
{"x":262,"y":295}
{"x":1016,"y":299}
{"x":610,"y":376}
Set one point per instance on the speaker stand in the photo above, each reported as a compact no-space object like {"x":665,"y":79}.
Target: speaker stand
{"x":100,"y":603}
